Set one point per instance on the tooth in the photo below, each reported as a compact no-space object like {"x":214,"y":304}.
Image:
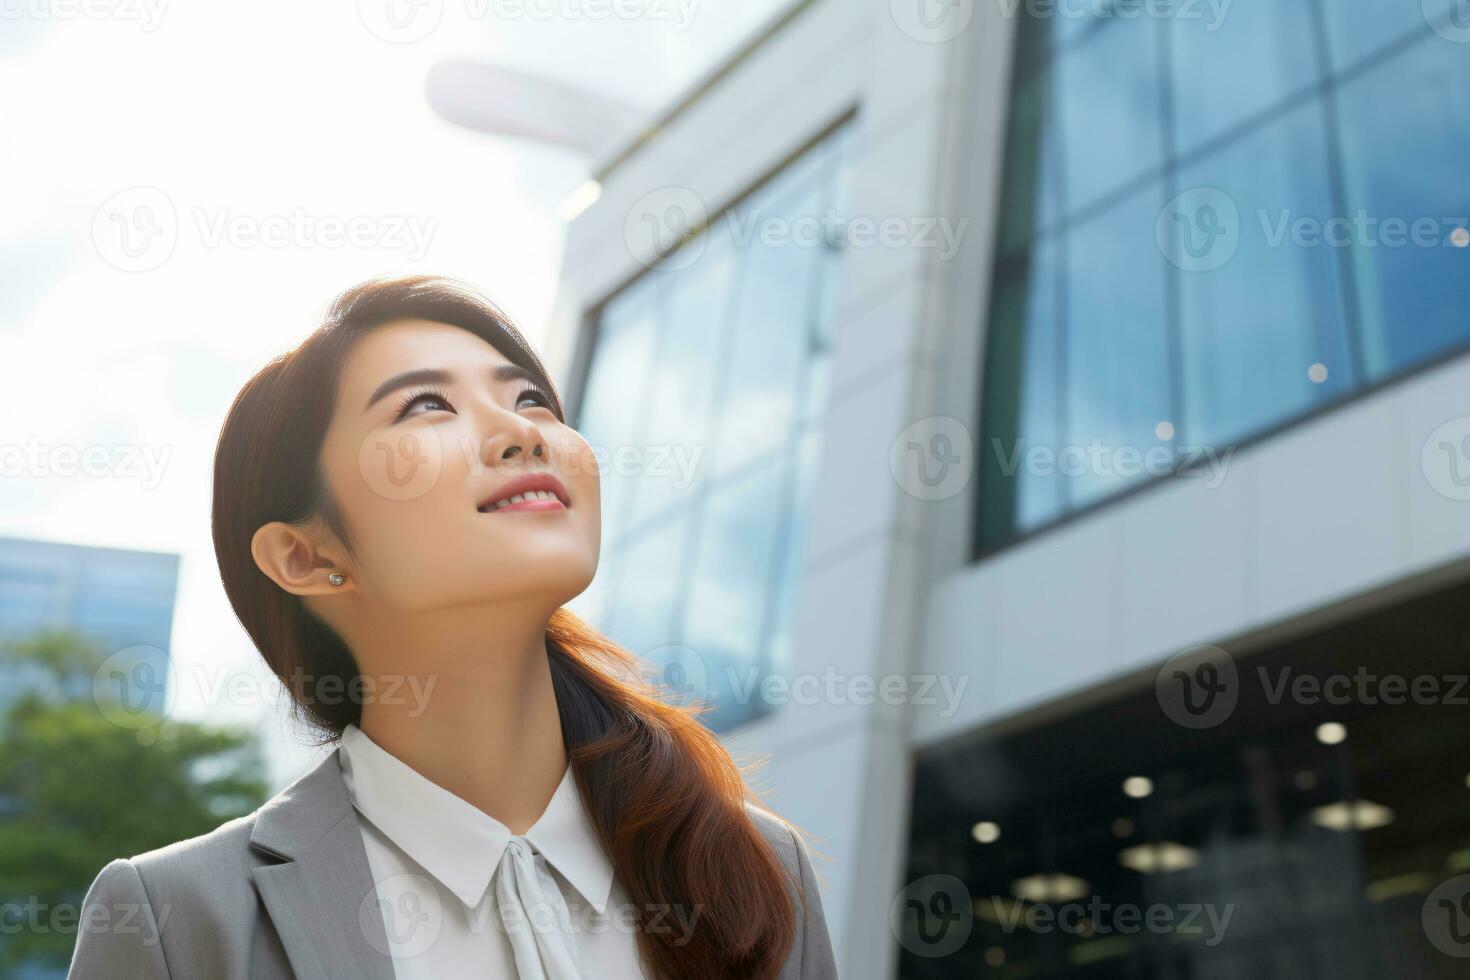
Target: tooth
{"x":501,"y":503}
{"x":518,"y":498}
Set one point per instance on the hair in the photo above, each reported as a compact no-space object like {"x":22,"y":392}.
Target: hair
{"x":668,"y":802}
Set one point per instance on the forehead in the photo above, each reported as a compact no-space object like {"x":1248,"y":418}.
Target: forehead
{"x":407,"y":345}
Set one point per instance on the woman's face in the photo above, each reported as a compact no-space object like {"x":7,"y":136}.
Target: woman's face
{"x":433,"y":428}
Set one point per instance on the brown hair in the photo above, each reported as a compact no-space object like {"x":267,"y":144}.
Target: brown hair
{"x":667,"y":800}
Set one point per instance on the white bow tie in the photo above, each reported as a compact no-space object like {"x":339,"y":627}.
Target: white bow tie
{"x":534,"y":913}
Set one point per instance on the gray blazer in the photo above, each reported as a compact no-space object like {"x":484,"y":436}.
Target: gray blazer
{"x":286,"y":892}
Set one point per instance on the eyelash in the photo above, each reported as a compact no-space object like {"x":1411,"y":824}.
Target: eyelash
{"x":417,"y":395}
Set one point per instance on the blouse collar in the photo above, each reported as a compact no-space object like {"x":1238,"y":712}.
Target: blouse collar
{"x":456,"y":842}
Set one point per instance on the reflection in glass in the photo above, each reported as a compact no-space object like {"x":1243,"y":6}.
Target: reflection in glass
{"x":1117,"y":364}
{"x":1107,"y":98}
{"x":1264,"y":49}
{"x":1406,"y":146}
{"x":733,"y":346}
{"x":732,"y":579}
{"x":1253,"y":328}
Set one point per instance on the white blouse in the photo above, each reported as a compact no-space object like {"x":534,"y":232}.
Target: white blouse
{"x":555,"y":911}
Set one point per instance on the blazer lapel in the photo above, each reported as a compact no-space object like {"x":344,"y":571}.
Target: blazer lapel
{"x":321,"y":898}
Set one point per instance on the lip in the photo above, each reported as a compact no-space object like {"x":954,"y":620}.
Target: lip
{"x":527,"y":484}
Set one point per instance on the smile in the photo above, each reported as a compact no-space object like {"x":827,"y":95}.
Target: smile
{"x":535,"y":500}
{"x":532,"y":492}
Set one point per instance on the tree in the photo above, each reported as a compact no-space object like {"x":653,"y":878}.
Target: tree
{"x":78,"y":790}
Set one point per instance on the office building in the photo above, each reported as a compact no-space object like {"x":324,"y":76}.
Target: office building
{"x":1063,"y":514}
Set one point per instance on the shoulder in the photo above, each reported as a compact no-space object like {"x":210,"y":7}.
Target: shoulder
{"x":812,"y":957}
{"x":137,"y":903}
{"x":190,"y":876}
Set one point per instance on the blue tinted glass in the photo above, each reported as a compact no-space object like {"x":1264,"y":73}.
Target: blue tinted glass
{"x":772,"y":323}
{"x":725,"y":614}
{"x":823,"y":328}
{"x":793,"y":548}
{"x":1038,"y":489}
{"x":612,"y":409}
{"x":1406,"y":142}
{"x":1261,"y":301}
{"x":681,"y":393}
{"x":1264,"y":50}
{"x":1356,"y":28}
{"x":641,"y":617}
{"x":1117,"y":366}
{"x":1033,"y":156}
{"x":1107,"y":97}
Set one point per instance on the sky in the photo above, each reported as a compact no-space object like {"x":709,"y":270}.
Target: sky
{"x":184,"y":185}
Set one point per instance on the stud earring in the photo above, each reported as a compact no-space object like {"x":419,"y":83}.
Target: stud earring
{"x":336,"y":578}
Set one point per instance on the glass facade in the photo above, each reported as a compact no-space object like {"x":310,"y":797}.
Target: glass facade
{"x":1216,"y":219}
{"x":117,"y":599}
{"x":1278,"y":830}
{"x":705,"y":385}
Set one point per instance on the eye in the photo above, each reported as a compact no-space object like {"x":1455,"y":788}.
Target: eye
{"x":535,"y":396}
{"x":433,"y":397}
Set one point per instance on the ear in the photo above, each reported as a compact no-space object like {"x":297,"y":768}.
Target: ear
{"x":293,"y":561}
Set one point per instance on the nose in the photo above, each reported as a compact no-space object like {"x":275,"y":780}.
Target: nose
{"x":512,"y":436}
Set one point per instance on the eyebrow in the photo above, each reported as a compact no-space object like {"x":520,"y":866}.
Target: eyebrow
{"x":501,"y":375}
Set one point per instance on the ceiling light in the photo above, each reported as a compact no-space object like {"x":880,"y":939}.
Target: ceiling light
{"x":1138,"y":787}
{"x":1352,"y":815}
{"x":1331,"y":733}
{"x":1050,"y":888}
{"x":985,"y":832}
{"x":1158,"y":858}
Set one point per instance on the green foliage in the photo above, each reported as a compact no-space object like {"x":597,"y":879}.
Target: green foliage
{"x":78,"y":790}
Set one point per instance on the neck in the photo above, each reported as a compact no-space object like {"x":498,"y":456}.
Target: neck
{"x":464,"y":697}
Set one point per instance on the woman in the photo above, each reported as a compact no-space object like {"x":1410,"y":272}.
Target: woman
{"x":400,"y":512}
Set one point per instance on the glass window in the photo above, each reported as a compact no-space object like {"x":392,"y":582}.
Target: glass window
{"x":1264,"y":49}
{"x":733,"y":577}
{"x":1357,"y":28}
{"x":1025,"y":351}
{"x":1406,"y":146}
{"x":793,"y":550}
{"x":1117,"y":366}
{"x":647,"y":585}
{"x":1254,"y":328}
{"x":1167,"y":290}
{"x":681,"y":392}
{"x":610,"y":416}
{"x":772,"y":332}
{"x":717,"y":369}
{"x":1107,"y":100}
